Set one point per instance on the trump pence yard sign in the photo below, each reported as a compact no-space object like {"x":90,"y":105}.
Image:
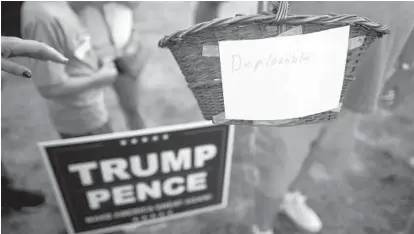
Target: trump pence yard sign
{"x":110,"y":182}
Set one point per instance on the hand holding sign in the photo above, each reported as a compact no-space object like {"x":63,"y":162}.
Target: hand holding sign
{"x":283,"y":77}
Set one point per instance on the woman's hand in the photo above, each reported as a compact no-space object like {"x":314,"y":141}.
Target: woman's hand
{"x":16,"y":47}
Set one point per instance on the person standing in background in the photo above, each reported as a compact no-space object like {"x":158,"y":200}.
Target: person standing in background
{"x":392,"y":126}
{"x":74,"y":92}
{"x":206,"y":11}
{"x":371,"y":74}
{"x":361,"y":98}
{"x":115,"y":39}
{"x":363,"y":94}
{"x":293,"y":202}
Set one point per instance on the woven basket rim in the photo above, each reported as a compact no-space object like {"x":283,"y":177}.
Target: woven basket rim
{"x":330,"y":19}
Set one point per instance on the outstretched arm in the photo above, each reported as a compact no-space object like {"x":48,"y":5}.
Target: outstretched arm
{"x":16,"y":47}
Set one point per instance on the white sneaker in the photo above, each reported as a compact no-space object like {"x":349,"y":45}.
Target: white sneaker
{"x":294,"y":205}
{"x":411,"y":162}
{"x":256,"y":230}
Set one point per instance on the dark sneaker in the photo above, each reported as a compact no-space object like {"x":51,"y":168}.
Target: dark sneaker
{"x":16,"y":199}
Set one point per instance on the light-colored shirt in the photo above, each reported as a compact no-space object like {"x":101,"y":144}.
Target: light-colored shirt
{"x":110,"y":26}
{"x":57,"y":25}
{"x":381,"y":56}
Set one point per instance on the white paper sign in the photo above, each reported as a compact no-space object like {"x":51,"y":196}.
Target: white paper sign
{"x":283,"y":77}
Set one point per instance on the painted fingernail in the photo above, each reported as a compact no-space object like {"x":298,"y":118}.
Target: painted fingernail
{"x":27,"y":74}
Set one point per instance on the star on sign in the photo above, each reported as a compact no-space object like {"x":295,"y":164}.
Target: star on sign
{"x":123,"y":142}
{"x":155,"y":138}
{"x":134,"y":141}
{"x":165,"y":137}
{"x":144,"y":139}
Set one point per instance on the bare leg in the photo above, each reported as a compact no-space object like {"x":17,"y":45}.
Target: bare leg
{"x":206,"y":11}
{"x":337,"y":137}
{"x":269,"y":150}
{"x":309,"y":160}
{"x":126,"y":89}
{"x":266,"y":209}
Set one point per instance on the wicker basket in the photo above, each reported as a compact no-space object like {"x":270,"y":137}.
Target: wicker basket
{"x":203,"y":74}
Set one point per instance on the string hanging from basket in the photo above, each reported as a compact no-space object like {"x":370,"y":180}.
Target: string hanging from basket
{"x":280,"y":9}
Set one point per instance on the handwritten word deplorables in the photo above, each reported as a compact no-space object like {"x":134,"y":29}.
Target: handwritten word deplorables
{"x":143,"y":167}
{"x":240,"y":63}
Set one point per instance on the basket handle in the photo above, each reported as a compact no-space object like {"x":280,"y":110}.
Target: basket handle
{"x":270,"y":18}
{"x":280,"y":9}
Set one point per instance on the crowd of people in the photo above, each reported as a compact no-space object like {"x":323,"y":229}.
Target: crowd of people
{"x":76,"y":49}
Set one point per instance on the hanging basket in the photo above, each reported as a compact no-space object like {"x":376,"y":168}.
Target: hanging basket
{"x":203,"y":73}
